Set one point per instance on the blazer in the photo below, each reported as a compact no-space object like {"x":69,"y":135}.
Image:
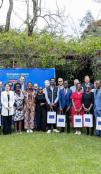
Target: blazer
{"x":64,"y":100}
{"x":84,"y":86}
{"x":5,"y":102}
{"x":97,"y":101}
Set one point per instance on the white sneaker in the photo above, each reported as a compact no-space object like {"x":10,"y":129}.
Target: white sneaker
{"x":49,"y":131}
{"x":17,"y":133}
{"x":79,"y":132}
{"x":28,"y":130}
{"x":76,"y":133}
{"x":56,"y":130}
{"x":31,"y":131}
{"x":20,"y":132}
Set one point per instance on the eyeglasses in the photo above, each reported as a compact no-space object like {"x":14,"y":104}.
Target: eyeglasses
{"x":60,"y":81}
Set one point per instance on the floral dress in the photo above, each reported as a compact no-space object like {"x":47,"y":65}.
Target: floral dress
{"x":19,"y":107}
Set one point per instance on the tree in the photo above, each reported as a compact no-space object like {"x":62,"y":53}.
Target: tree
{"x":87,"y":19}
{"x":93,"y":29}
{"x":36,"y":10}
{"x":52,"y":19}
{"x":8,"y":18}
{"x":1,"y":3}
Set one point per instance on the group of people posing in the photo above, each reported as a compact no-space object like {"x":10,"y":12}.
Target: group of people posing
{"x":29,"y":106}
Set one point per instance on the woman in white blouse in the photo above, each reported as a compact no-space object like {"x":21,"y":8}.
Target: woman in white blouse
{"x":7,"y":101}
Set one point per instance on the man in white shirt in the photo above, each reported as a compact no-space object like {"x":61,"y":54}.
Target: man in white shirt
{"x":22,"y":82}
{"x":73,"y":88}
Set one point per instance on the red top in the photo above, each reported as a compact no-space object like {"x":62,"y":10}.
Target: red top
{"x":77,"y":99}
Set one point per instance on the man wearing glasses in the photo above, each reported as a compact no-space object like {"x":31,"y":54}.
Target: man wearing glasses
{"x":60,"y":83}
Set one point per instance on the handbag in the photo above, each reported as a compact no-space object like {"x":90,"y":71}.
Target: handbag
{"x":51,"y":117}
{"x":61,"y":119}
{"x":98,"y":123}
{"x":88,"y":120}
{"x":77,"y":121}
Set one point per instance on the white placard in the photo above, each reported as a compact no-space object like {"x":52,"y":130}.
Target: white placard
{"x":61,"y":120}
{"x":77,"y":120}
{"x":51,"y":117}
{"x":98,"y":123}
{"x":88,"y":120}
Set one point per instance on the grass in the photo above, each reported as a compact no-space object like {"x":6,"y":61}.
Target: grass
{"x":39,"y":153}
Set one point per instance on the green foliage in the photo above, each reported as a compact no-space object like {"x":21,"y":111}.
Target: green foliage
{"x":44,"y":50}
{"x":93,"y":29}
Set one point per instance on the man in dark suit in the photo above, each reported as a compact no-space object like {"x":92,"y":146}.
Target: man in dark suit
{"x":87,"y":82}
{"x":65,"y":104}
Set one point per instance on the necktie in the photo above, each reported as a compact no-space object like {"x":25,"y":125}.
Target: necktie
{"x":96,"y":92}
{"x":8,"y":101}
{"x":65,"y":92}
{"x":8,"y":97}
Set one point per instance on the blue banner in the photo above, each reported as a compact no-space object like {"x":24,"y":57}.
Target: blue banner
{"x":34,"y":75}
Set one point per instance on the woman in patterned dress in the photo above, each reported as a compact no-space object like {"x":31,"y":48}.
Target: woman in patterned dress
{"x":19,"y":107}
{"x":29,"y":108}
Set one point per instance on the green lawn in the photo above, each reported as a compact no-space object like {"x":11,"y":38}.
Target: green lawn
{"x":39,"y":153}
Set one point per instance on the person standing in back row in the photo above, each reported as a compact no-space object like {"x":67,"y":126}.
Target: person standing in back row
{"x":22,"y":82}
{"x":73,"y":88}
{"x":87,"y":82}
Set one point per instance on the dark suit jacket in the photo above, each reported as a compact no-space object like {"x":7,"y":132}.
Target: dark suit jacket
{"x":64,"y":100}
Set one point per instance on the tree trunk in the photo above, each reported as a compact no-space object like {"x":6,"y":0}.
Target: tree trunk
{"x":8,"y":18}
{"x":1,"y":3}
{"x":32,"y":23}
